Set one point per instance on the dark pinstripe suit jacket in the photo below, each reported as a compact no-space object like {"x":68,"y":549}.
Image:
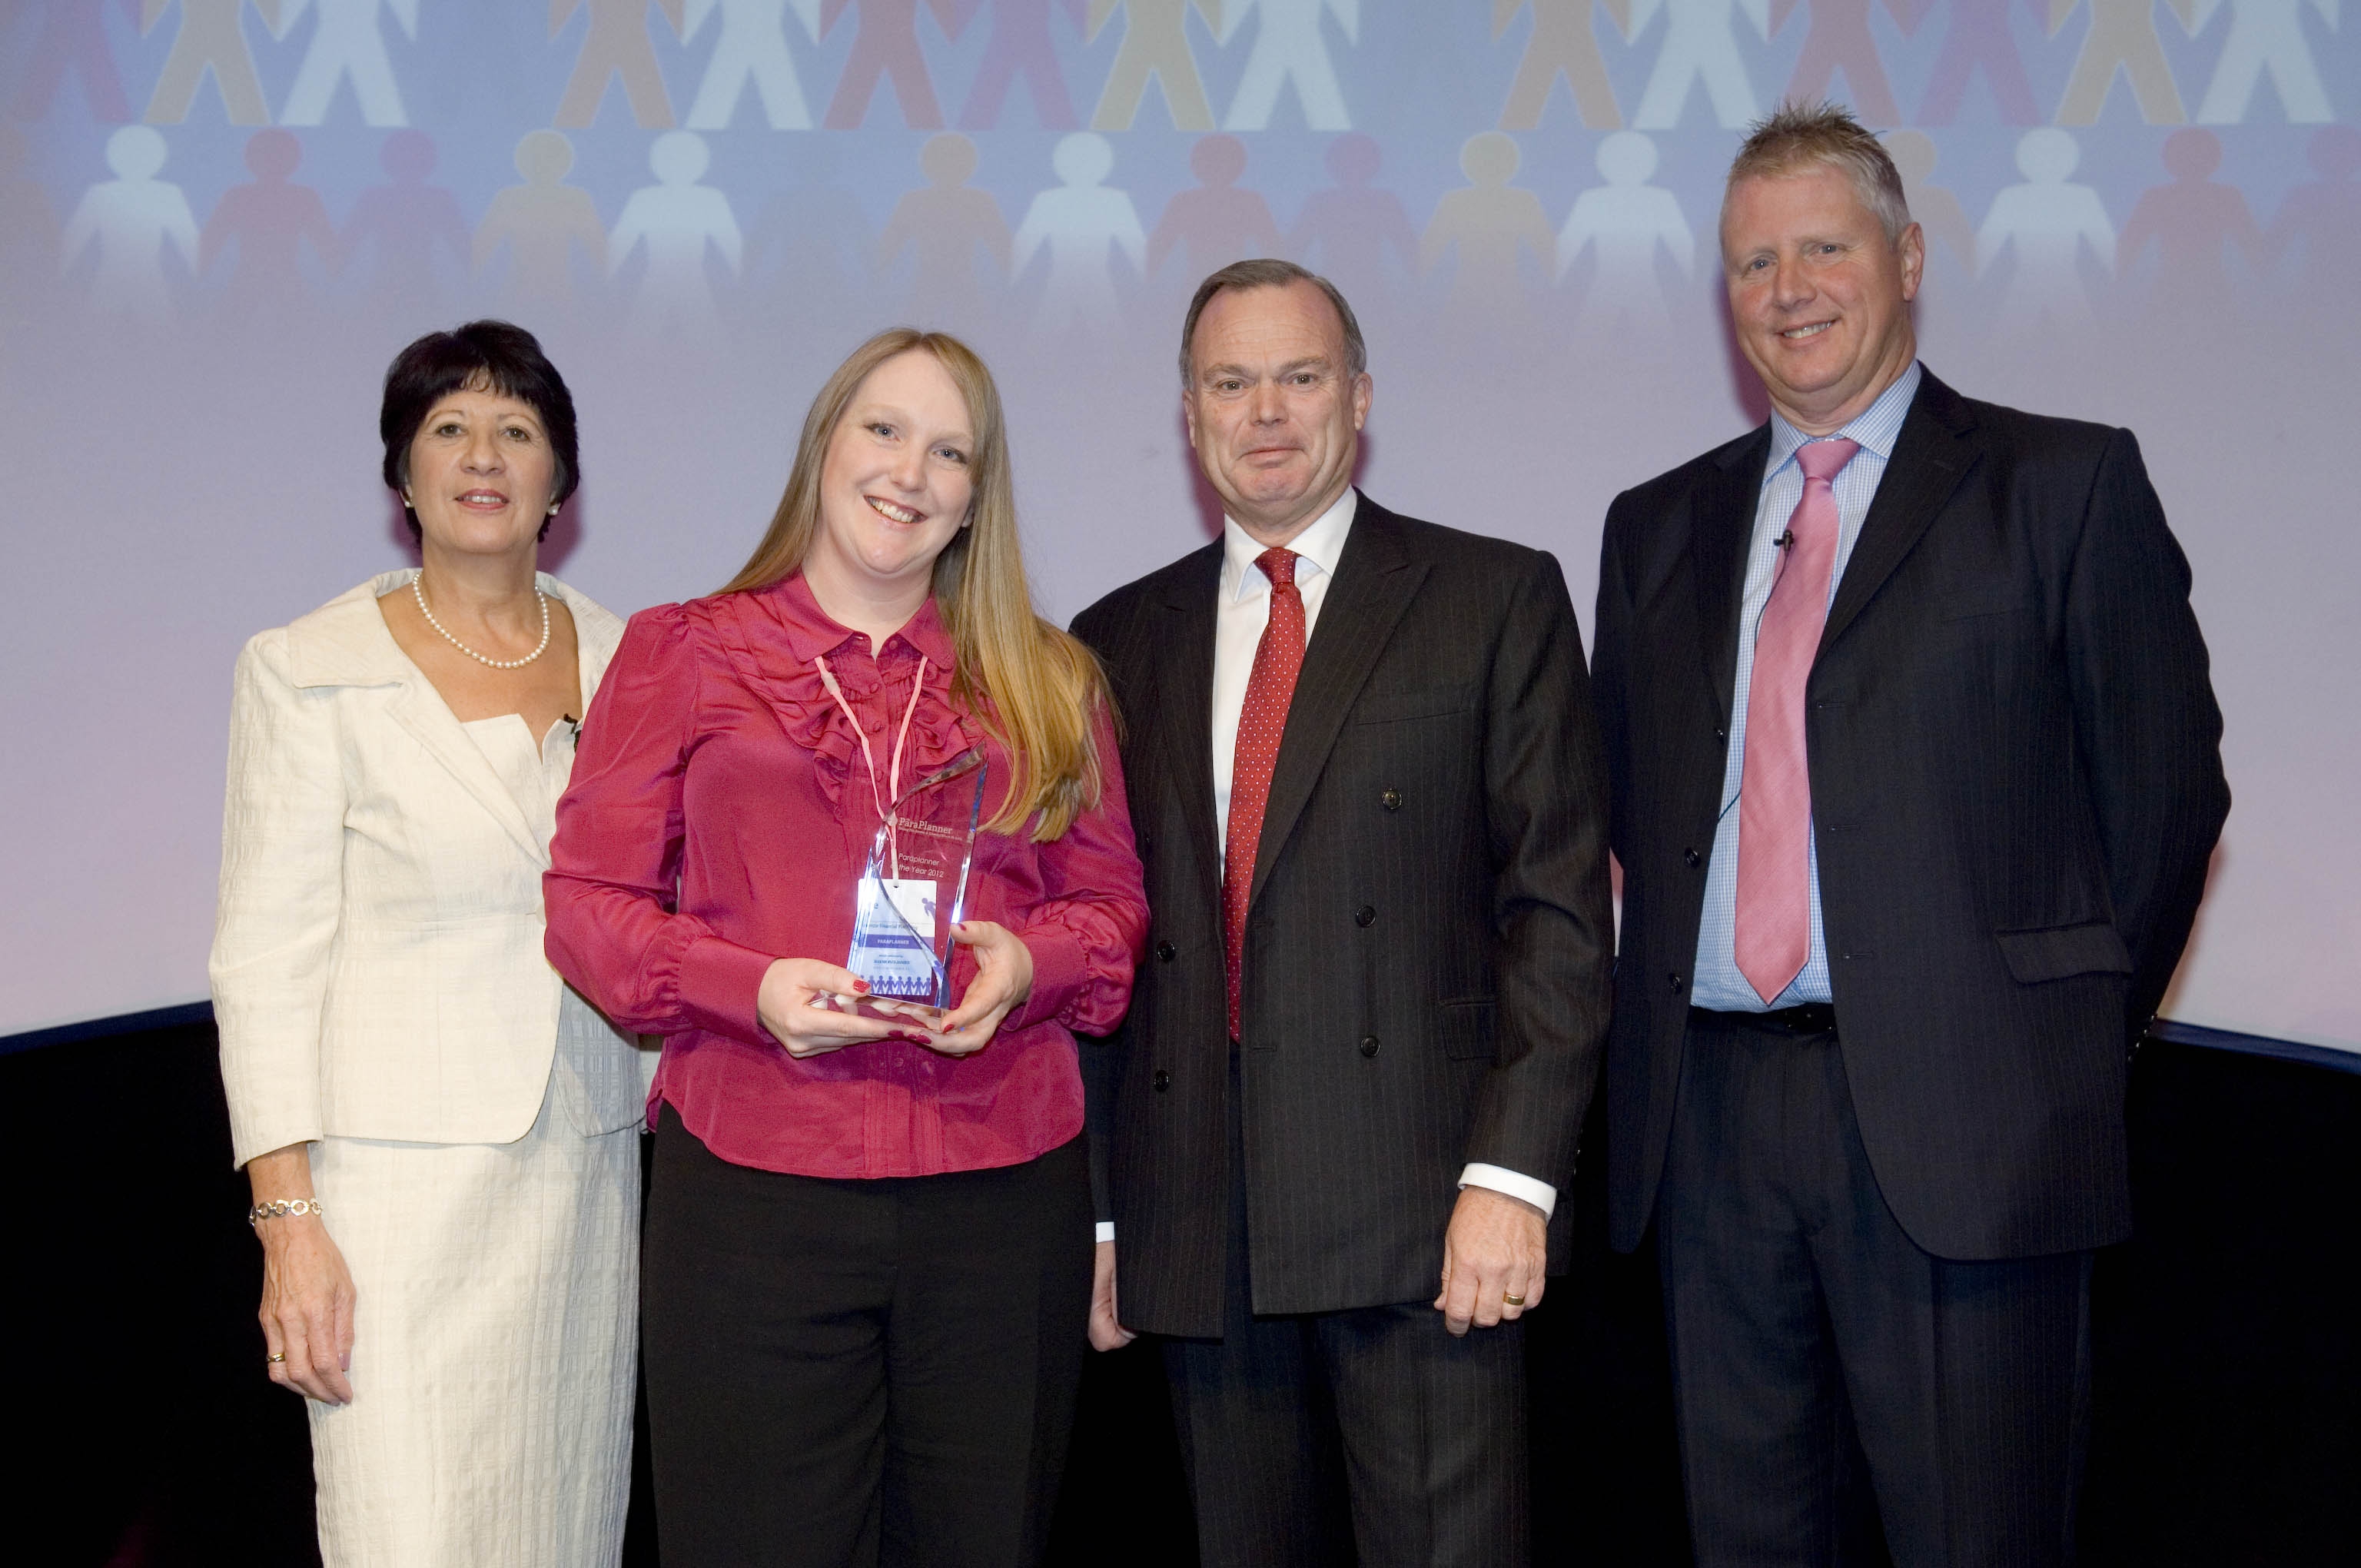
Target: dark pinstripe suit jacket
{"x":1427,"y":948}
{"x":2016,"y":784}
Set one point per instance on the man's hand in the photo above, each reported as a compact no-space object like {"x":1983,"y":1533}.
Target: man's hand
{"x":1107,"y":1332}
{"x":1494,"y":1254}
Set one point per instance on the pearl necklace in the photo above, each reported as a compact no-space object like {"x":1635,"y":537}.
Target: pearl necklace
{"x":420,"y":595}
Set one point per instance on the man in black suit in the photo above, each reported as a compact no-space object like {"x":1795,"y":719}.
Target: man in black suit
{"x":1367,"y":790}
{"x":1915,"y":776}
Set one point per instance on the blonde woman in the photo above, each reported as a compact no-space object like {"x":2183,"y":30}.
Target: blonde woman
{"x":869,"y":1244}
{"x":440,"y":1135}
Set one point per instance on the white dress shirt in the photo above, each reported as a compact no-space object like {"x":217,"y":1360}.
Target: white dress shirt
{"x":1240,"y":619}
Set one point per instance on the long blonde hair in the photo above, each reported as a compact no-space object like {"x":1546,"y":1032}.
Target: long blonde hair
{"x":1034,"y":688}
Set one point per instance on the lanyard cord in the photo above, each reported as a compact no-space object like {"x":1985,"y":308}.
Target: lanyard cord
{"x":901,"y":737}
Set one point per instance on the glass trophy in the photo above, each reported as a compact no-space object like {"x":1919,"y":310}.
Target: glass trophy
{"x":913,"y":890}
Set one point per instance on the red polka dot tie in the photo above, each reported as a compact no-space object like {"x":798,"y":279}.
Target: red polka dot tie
{"x":1772,"y":932}
{"x":1277,"y":659}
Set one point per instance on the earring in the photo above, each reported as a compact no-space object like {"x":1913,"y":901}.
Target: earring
{"x":553,"y":506}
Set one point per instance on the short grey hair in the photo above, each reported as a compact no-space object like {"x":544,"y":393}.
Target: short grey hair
{"x":1270,"y":272}
{"x":1795,"y":137}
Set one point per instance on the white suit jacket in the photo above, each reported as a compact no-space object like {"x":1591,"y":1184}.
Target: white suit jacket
{"x":377,"y":962}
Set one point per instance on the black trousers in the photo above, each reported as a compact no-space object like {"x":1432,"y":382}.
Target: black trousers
{"x":1830,"y":1376}
{"x":1307,"y":1440}
{"x":851,"y":1372}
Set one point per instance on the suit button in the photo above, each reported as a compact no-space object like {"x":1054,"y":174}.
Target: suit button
{"x":1162,"y":1080}
{"x":1365,"y":916}
{"x":1390,"y":800}
{"x":1369,"y":1044}
{"x":1721,"y":734}
{"x":1692,"y":858}
{"x":1676,"y":982}
{"x":1165,"y":952}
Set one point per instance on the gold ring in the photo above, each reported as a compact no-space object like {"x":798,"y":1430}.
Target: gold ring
{"x":1512,"y":1301}
{"x":277,"y":1356}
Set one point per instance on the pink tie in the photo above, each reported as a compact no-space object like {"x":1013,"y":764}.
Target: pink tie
{"x":1278,"y":657}
{"x":1773,"y":932}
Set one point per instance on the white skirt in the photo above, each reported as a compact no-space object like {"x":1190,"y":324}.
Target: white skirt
{"x":495,"y":1336}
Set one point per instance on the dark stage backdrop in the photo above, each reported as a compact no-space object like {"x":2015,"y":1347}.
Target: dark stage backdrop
{"x":218,"y":220}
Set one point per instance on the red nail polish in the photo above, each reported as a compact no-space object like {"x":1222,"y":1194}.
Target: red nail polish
{"x":861,"y":985}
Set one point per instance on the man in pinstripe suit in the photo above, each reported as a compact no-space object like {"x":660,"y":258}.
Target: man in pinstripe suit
{"x":1916,"y":770}
{"x":1368,"y":792}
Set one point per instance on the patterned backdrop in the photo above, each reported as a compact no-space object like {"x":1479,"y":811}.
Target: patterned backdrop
{"x":219,"y":218}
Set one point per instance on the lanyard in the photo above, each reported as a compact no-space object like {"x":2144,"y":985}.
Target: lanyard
{"x":901,"y":737}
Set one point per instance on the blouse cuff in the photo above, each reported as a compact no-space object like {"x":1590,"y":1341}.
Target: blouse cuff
{"x":720,"y":985}
{"x":1060,"y":970}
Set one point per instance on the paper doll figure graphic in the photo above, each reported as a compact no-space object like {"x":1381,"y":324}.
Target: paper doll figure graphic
{"x":1155,"y":43}
{"x":2267,"y":35}
{"x":2191,"y":221}
{"x":886,"y":42}
{"x":131,"y":219}
{"x":1020,"y":42}
{"x":407,"y":221}
{"x":1625,"y":223}
{"x":2323,"y":219}
{"x":1216,"y":222}
{"x":945,"y":222}
{"x":346,"y":44}
{"x":1080,"y":221}
{"x":1979,"y":35}
{"x":211,"y":38}
{"x":1489,"y":222}
{"x":2047,"y":222}
{"x":813,"y":243}
{"x":542,"y":221}
{"x":1935,"y":209}
{"x":73,"y":37}
{"x":676,"y":219}
{"x":269,"y":219}
{"x":1839,"y":39}
{"x":1347,"y":231}
{"x":1564,"y":43}
{"x":752,"y":47}
{"x":1290,"y":48}
{"x":616,"y":45}
{"x":1700,"y":44}
{"x":2123,"y":36}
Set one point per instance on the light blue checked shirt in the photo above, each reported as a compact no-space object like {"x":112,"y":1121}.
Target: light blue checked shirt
{"x":1717,"y":984}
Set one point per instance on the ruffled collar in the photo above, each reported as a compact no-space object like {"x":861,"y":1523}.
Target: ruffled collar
{"x":773,"y":638}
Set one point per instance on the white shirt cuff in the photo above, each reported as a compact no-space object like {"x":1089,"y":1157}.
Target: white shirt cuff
{"x":1540,"y":1194}
{"x":1104,"y":1231}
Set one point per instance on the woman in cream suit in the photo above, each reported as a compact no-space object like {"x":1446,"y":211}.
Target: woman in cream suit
{"x":440,"y":1134}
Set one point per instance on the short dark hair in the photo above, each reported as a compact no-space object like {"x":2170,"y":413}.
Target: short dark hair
{"x":1270,"y":272}
{"x":486,"y":356}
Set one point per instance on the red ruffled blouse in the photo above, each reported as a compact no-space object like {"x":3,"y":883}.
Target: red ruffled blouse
{"x":719,"y":817}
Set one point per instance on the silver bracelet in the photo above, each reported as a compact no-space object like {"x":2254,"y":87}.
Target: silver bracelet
{"x":280,"y":1208}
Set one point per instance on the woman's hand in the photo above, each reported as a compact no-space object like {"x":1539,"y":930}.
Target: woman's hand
{"x":797,"y":1004}
{"x":1004,"y":979}
{"x":307,"y":1292}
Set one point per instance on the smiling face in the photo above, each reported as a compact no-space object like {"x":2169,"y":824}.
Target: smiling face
{"x":895,"y":485}
{"x":1819,"y":297}
{"x":481,"y":473}
{"x":1273,"y":408}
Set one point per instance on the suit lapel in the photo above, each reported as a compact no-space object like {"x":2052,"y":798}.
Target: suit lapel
{"x":1719,"y":531}
{"x":1183,"y":719}
{"x":345,"y":642}
{"x":421,"y":710}
{"x":1938,"y":445}
{"x":1375,"y":580}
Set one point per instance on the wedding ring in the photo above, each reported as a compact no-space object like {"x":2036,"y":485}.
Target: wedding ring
{"x":276,"y":1356}
{"x":1512,"y":1301}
